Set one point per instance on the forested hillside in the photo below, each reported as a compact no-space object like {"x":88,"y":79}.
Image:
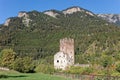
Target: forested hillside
{"x":37,"y":34}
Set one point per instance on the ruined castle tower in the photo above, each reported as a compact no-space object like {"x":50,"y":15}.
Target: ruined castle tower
{"x":67,"y":46}
{"x":65,"y":57}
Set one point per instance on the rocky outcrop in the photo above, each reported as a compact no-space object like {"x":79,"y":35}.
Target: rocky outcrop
{"x":72,"y":10}
{"x":89,"y":13}
{"x":22,"y":14}
{"x":112,"y":18}
{"x":7,"y":22}
{"x":26,"y":20}
{"x":51,"y":13}
{"x":76,"y":9}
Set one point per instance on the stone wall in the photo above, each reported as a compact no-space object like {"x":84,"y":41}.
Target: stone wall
{"x":5,"y":69}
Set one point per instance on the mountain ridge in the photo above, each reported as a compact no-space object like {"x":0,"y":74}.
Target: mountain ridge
{"x":52,"y":13}
{"x":112,"y":18}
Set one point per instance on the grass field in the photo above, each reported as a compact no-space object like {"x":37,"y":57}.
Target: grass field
{"x":12,"y":75}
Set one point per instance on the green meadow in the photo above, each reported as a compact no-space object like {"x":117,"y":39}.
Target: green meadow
{"x":12,"y":75}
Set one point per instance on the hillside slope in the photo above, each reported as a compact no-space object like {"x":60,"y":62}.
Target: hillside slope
{"x":38,"y":33}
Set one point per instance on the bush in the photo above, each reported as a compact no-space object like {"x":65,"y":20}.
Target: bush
{"x":79,"y":70}
{"x":3,"y":76}
{"x":87,"y":70}
{"x":106,"y":61}
{"x":7,"y":57}
{"x":118,"y":67}
{"x":74,"y":70}
{"x":24,"y":65}
{"x":45,"y":69}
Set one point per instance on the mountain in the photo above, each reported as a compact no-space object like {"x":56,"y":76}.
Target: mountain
{"x":112,"y":18}
{"x":37,"y":34}
{"x":71,"y":10}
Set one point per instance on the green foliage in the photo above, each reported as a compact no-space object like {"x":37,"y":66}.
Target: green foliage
{"x":75,"y":70}
{"x":118,"y":67}
{"x":45,"y":69}
{"x":79,"y":70}
{"x":88,"y":70}
{"x":10,"y":75}
{"x":7,"y":57}
{"x":41,"y":38}
{"x":3,"y":76}
{"x":106,"y":61}
{"x":24,"y":65}
{"x":117,"y":56}
{"x":82,"y":59}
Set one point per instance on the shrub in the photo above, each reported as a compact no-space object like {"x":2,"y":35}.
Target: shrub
{"x":24,"y":65}
{"x":75,"y":70}
{"x":7,"y":57}
{"x":79,"y":70}
{"x":45,"y":69}
{"x":106,"y":61}
{"x":3,"y":76}
{"x":87,"y":70}
{"x":118,"y":67}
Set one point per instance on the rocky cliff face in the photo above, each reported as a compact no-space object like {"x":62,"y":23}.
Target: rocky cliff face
{"x":7,"y":22}
{"x":25,"y":17}
{"x":51,"y":13}
{"x":72,"y":10}
{"x":76,"y":9}
{"x":112,"y":18}
{"x":22,"y":14}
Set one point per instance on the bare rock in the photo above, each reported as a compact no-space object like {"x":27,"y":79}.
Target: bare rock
{"x":51,"y":13}
{"x":7,"y":22}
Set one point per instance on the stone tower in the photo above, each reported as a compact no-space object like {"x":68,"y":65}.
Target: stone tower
{"x":67,"y":46}
{"x":65,"y":57}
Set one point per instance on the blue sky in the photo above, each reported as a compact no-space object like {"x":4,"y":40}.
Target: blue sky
{"x":10,"y":8}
